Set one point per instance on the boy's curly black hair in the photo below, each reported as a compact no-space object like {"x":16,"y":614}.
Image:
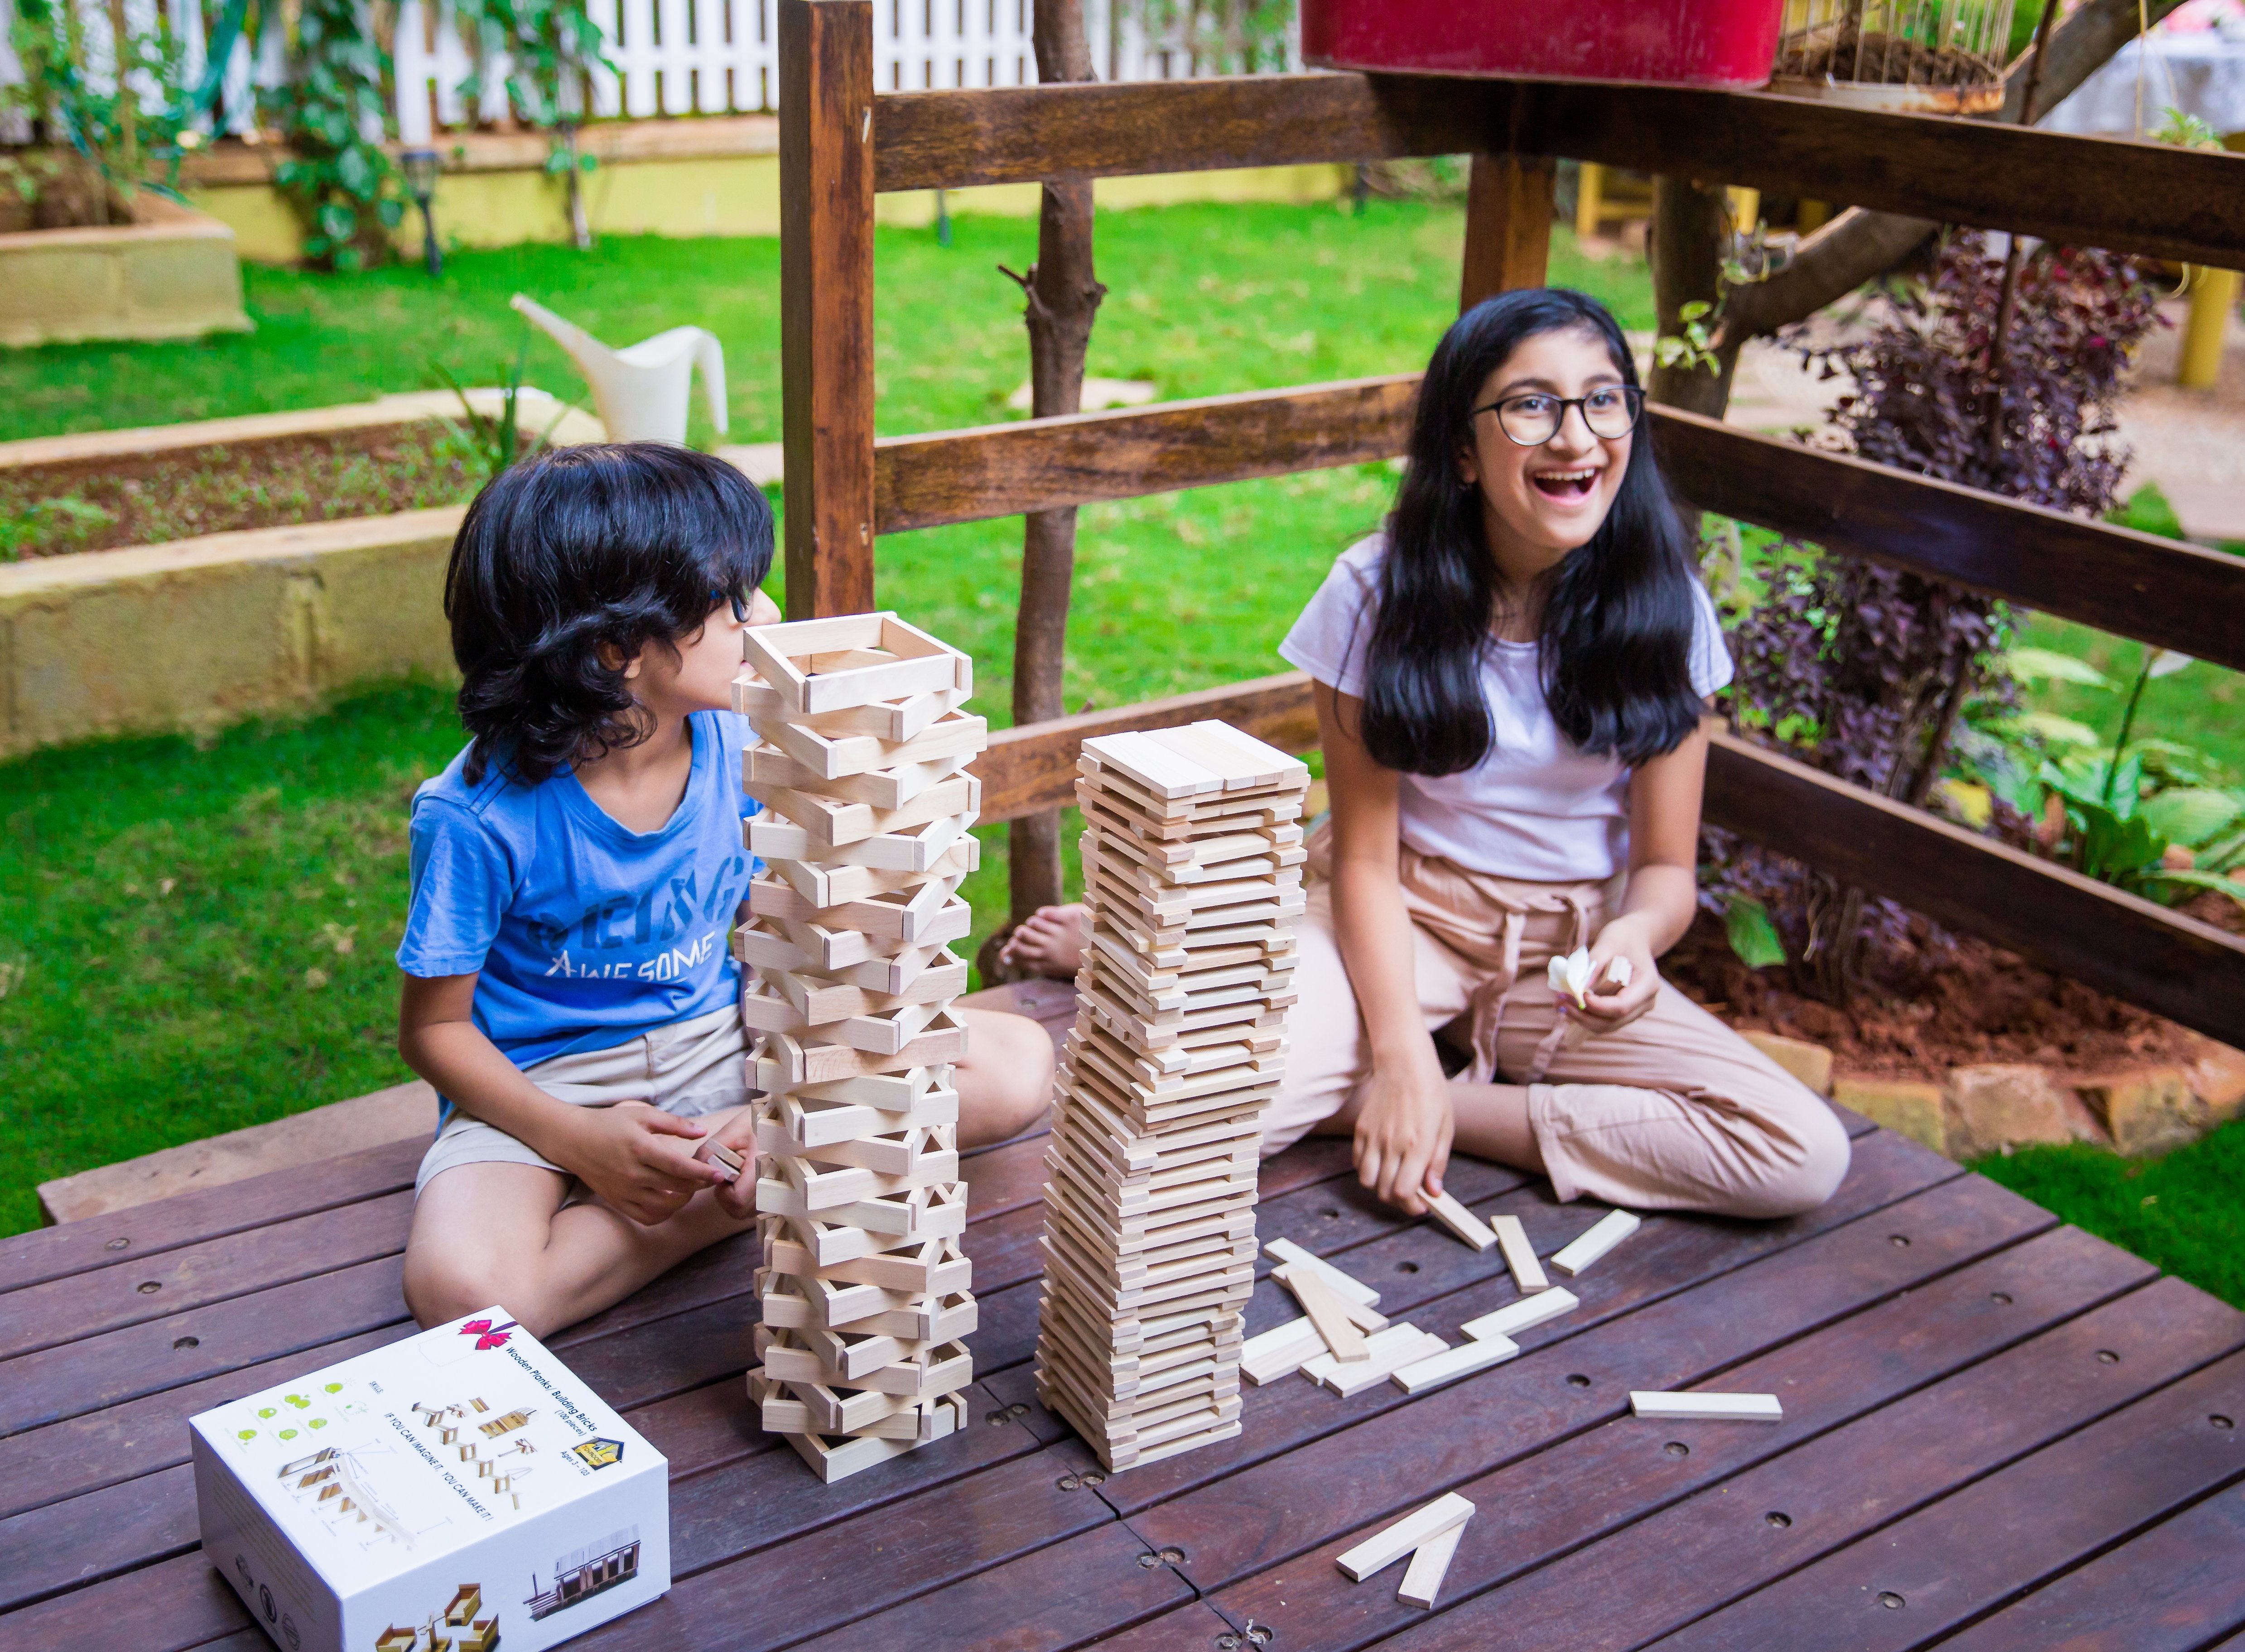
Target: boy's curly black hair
{"x":629,"y":544}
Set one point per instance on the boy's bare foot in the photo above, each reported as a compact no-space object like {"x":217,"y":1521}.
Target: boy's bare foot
{"x":1049,"y":941}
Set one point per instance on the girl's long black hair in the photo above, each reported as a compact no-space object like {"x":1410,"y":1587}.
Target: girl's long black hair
{"x":629,"y":544}
{"x":1616,"y":635}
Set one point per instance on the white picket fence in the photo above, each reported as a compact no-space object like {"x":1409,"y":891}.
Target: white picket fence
{"x":671,"y":57}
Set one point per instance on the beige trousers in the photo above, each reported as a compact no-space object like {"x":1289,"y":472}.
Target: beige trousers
{"x":689,"y":1068}
{"x":1674,"y":1111}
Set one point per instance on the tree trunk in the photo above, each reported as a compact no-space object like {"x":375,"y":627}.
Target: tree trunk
{"x":1690,"y":222}
{"x":1063,"y":296}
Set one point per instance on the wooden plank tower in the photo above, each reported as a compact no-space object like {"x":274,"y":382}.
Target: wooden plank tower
{"x":859,"y":765}
{"x":1192,"y":871}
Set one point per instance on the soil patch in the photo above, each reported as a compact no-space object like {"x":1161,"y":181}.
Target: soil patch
{"x":1876,"y":58}
{"x":113,"y":502}
{"x":1936,"y":1001}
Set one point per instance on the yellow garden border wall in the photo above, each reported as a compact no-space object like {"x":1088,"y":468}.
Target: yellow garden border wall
{"x":173,"y":274}
{"x":194,"y":634}
{"x":716,"y":176}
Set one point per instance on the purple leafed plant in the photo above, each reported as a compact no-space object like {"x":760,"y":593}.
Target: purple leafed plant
{"x":1863,"y":670}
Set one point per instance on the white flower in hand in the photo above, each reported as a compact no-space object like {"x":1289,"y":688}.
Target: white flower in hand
{"x":1570,"y":976}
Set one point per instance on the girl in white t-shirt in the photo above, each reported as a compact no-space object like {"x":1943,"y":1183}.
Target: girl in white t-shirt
{"x":1509,"y":682}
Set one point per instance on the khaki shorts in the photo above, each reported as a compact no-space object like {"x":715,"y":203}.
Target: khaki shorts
{"x":689,"y":1068}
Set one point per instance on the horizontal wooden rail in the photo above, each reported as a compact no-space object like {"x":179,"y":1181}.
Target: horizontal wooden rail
{"x":2154,"y":199}
{"x":1027,"y":769}
{"x":2161,"y":591}
{"x":2132,"y":948}
{"x":1002,"y":470}
{"x":2117,"y":943}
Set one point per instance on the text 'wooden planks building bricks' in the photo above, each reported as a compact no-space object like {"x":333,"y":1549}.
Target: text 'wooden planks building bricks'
{"x":860,"y":768}
{"x":1192,"y":872}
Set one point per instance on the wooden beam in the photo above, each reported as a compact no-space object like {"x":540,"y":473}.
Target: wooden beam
{"x":2161,"y":591}
{"x":2117,"y":943}
{"x":826,"y":303}
{"x":2132,"y":948}
{"x":1002,"y":470}
{"x":1025,"y":770}
{"x":1509,"y":204}
{"x":2155,"y":198}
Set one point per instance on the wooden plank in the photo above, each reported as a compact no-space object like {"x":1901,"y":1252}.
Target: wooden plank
{"x":1452,"y":1285}
{"x":2159,"y":590}
{"x":1916,"y":1396}
{"x":1031,"y":769}
{"x":1508,"y":202}
{"x":1365,"y":1473}
{"x":168,"y":1607}
{"x":1038,"y":464}
{"x":192,"y":1218}
{"x":2166,"y":1591}
{"x":2117,"y":943}
{"x":826,"y":303}
{"x":2144,"y":198}
{"x":2054,"y":1509}
{"x":128,"y":1293}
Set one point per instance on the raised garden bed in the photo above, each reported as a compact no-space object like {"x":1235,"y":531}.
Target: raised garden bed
{"x":171,"y":274}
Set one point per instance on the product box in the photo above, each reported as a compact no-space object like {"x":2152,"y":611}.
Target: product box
{"x":451,"y":1493}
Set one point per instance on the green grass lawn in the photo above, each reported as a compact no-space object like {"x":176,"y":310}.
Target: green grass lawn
{"x":198,"y":937}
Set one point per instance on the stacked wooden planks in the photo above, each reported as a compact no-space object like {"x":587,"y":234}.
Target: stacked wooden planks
{"x":1191,"y":869}
{"x":858,"y":762}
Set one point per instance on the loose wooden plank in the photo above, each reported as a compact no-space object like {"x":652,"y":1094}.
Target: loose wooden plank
{"x":1032,"y":768}
{"x":827,"y":303}
{"x":1356,"y":1476}
{"x":194,"y":1218}
{"x":1005,"y":469}
{"x":2121,"y":943}
{"x":1916,"y":1395}
{"x":127,"y":1293}
{"x":2162,"y":592}
{"x":2163,"y":1592}
{"x":2143,"y":198}
{"x":1671,"y":1255}
{"x":2054,"y":1507}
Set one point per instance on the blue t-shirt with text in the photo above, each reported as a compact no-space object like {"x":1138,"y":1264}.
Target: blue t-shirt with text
{"x":583,"y":934}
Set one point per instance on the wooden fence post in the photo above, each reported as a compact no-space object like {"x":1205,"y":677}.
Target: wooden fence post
{"x":826,"y":303}
{"x":1509,"y":204}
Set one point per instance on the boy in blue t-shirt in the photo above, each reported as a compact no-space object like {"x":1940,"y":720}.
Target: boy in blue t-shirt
{"x":569,"y":987}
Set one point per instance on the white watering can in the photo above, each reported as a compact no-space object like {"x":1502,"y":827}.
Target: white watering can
{"x":642,"y":391}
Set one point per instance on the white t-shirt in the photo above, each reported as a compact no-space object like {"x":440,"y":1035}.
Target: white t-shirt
{"x":1535,"y":807}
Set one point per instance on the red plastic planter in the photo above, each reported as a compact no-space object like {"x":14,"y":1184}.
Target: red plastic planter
{"x":1689,"y":43}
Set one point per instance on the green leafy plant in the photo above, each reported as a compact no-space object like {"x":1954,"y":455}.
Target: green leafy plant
{"x":120,"y":135}
{"x":495,"y":440}
{"x":334,"y":113}
{"x":1692,"y":348}
{"x":49,"y":524}
{"x":550,"y":46}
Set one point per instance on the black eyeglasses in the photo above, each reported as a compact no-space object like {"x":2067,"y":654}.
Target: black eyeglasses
{"x":738,"y":598}
{"x":1530,"y":420}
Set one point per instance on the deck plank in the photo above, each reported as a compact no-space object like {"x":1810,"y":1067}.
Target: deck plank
{"x":1661,"y":1538}
{"x":211,"y":1212}
{"x":2010,"y":1531}
{"x":2163,"y":1592}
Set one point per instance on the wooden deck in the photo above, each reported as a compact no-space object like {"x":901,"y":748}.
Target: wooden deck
{"x":1998,"y":1430}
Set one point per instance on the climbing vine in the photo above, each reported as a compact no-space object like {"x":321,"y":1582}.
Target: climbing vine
{"x":333,"y":112}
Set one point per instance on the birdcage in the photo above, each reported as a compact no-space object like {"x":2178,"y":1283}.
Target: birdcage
{"x":1941,"y":56}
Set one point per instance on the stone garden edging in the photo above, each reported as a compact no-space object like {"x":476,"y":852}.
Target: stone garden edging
{"x":172,"y":274}
{"x":2137,"y":1111}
